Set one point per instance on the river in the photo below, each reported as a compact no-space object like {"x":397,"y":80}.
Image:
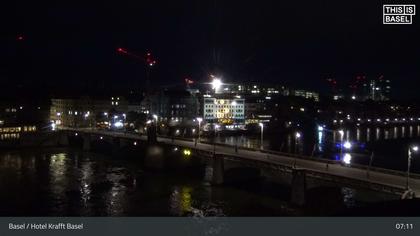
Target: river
{"x":69,"y":182}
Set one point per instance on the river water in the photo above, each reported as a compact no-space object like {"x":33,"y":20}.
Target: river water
{"x":69,"y":182}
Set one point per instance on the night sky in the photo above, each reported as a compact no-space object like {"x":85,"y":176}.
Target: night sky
{"x":70,"y":46}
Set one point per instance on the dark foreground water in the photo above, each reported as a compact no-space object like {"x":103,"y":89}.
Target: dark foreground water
{"x":68,"y":182}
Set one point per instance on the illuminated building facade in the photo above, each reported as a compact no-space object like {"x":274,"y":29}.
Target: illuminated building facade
{"x":83,"y":112}
{"x":306,"y":94}
{"x":379,"y":89}
{"x":18,"y":118}
{"x":227,"y":112}
{"x":258,"y":110}
{"x":175,"y":106}
{"x":14,"y":132}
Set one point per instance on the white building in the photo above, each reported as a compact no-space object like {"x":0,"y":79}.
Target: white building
{"x":307,"y":94}
{"x":229,"y":113}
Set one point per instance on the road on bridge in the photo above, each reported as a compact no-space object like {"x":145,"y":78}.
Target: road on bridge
{"x":334,"y":169}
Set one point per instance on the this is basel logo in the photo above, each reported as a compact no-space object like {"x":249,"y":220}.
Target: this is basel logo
{"x":399,"y":14}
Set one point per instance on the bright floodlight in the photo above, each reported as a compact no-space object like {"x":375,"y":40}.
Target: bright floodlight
{"x":155,"y":117}
{"x":320,"y":128}
{"x":216,"y":84}
{"x":261,"y":125}
{"x":298,"y":135}
{"x":118,"y":124}
{"x":347,"y":145}
{"x":199,"y":119}
{"x":341,"y":132}
{"x":415,"y":148}
{"x":347,"y":158}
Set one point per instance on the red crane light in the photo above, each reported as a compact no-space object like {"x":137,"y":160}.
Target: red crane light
{"x":188,"y":81}
{"x":148,"y":59}
{"x":122,"y":50}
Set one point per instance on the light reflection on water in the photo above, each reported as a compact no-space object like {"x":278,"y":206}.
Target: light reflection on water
{"x":85,"y":184}
{"x":358,"y":134}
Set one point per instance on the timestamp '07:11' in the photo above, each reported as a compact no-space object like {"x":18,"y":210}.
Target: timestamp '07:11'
{"x":404,"y":226}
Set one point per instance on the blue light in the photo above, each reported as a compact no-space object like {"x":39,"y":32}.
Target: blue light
{"x":337,"y":157}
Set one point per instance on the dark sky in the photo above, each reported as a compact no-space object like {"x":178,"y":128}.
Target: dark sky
{"x":70,"y":45}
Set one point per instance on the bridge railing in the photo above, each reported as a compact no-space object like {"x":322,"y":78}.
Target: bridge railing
{"x":322,"y":160}
{"x":329,"y":176}
{"x":291,"y":155}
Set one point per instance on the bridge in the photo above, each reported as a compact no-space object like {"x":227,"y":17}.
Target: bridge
{"x":299,"y":168}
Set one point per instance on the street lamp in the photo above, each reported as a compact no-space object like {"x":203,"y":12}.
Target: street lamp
{"x":341,"y":132}
{"x":155,"y":117}
{"x":216,"y":126}
{"x":199,"y":119}
{"x":410,"y":150}
{"x":262,"y":135}
{"x":298,"y":135}
{"x":370,"y":164}
{"x":320,"y":128}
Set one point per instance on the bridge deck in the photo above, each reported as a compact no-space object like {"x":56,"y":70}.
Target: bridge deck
{"x":333,"y":170}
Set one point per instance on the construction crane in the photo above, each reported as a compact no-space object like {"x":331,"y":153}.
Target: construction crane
{"x":149,"y":62}
{"x":333,"y":84}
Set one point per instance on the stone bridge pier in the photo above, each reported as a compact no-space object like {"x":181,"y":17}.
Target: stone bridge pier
{"x":151,"y":134}
{"x":63,"y":139}
{"x":122,"y":142}
{"x":214,"y":169}
{"x":298,"y":187}
{"x":219,"y":171}
{"x":86,"y":142}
